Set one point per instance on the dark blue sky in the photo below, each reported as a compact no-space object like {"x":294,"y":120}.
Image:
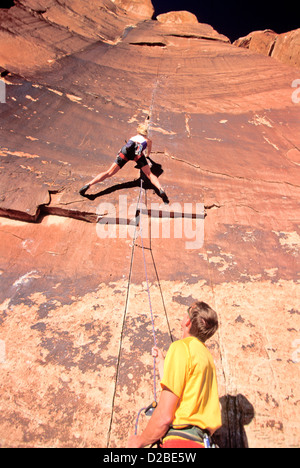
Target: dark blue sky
{"x":236,"y":18}
{"x":6,"y":3}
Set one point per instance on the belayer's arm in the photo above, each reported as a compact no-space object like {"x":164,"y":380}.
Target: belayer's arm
{"x":159,"y":423}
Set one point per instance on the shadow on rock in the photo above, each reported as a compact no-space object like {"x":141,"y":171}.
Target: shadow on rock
{"x":237,"y":412}
{"x":156,"y":169}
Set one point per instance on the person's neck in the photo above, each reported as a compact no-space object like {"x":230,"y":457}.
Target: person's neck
{"x":185,"y":334}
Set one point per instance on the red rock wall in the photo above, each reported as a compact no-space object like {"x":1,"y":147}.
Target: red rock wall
{"x":283,"y":47}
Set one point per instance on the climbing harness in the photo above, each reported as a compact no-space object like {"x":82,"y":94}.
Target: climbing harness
{"x":192,"y":433}
{"x":132,"y":151}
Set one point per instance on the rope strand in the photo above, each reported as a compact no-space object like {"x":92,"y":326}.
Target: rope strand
{"x":123,"y":324}
{"x":152,"y":318}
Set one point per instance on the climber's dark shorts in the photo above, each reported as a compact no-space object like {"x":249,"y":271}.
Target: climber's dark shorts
{"x":140,"y":160}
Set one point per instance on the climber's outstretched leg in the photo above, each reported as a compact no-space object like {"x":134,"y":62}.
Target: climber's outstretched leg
{"x":114,"y":168}
{"x":154,"y":180}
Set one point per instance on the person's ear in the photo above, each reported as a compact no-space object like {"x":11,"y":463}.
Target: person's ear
{"x":188,"y":323}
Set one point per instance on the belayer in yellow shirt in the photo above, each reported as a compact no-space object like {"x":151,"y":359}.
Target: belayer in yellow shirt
{"x":188,"y":412}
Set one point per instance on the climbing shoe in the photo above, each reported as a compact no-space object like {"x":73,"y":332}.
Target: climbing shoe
{"x":164,"y":196}
{"x":84,"y":189}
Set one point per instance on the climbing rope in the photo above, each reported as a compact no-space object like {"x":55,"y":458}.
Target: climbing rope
{"x":154,"y":404}
{"x":150,"y":304}
{"x":124,"y":319}
{"x":150,"y":408}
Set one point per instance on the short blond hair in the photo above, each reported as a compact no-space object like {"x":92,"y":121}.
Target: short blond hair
{"x":204,"y":321}
{"x":143,"y":129}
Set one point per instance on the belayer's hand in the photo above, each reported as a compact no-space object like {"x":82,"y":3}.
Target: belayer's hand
{"x":157,"y":353}
{"x":133,"y":442}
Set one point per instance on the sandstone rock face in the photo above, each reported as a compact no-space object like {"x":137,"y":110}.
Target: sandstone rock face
{"x":258,"y":41}
{"x":283,"y":47}
{"x":34,"y":33}
{"x":143,"y":9}
{"x":287,"y":48}
{"x":75,"y":324}
{"x":177,"y":17}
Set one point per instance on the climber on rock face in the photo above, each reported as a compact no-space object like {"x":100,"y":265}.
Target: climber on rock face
{"x":188,"y":411}
{"x":132,"y":151}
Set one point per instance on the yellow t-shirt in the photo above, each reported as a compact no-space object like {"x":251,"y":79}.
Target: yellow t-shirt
{"x":189,"y":372}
